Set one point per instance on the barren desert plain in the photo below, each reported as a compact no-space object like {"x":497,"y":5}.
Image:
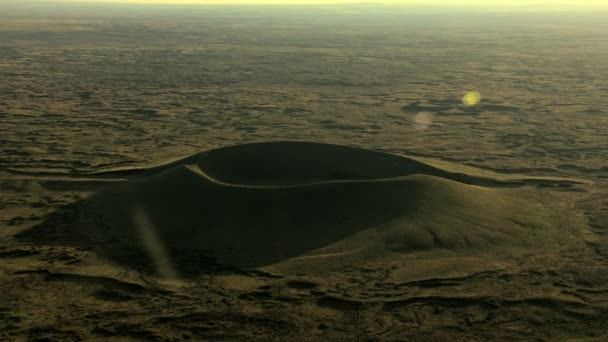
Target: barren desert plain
{"x":302,"y":173}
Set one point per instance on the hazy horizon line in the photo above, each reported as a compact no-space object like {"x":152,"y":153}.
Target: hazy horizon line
{"x":470,"y":4}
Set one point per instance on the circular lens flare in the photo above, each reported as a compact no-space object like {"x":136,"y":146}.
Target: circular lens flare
{"x":423,"y":120}
{"x":471,"y":98}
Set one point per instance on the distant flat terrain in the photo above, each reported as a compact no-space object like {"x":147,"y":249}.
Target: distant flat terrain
{"x":424,"y":219}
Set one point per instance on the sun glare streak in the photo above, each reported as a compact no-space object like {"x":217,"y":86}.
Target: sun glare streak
{"x":153,"y":245}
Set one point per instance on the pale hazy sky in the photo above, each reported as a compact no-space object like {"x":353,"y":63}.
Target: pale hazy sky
{"x":549,"y":4}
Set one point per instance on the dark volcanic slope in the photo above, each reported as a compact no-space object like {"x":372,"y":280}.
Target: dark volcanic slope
{"x":298,"y":205}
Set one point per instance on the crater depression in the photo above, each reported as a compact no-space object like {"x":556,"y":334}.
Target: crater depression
{"x":296,"y":206}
